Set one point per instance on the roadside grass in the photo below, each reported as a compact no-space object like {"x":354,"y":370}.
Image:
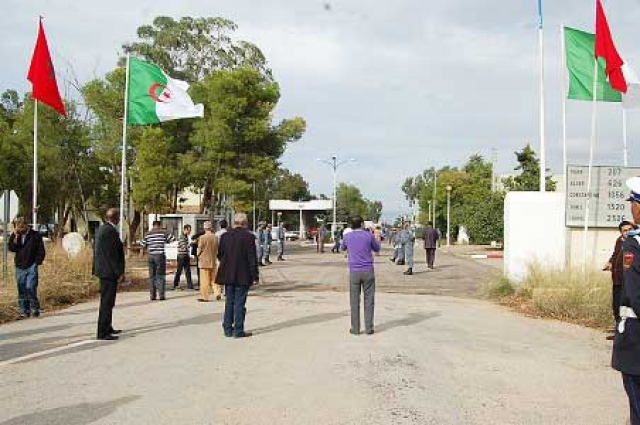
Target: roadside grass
{"x":62,"y":282}
{"x":569,"y":295}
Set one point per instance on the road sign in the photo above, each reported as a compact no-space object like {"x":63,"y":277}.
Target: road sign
{"x":13,"y":206}
{"x":608,"y":206}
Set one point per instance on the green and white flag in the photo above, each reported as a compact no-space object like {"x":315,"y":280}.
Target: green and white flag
{"x":155,"y":97}
{"x":580,"y":50}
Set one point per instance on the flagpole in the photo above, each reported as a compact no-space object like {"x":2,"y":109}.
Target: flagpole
{"x":592,"y":143}
{"x":123,"y":167}
{"x":35,"y":163}
{"x":563,"y":74}
{"x":624,"y":137}
{"x":543,"y":162}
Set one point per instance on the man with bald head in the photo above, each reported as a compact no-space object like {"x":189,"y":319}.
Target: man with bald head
{"x":108,"y":265}
{"x":237,"y":271}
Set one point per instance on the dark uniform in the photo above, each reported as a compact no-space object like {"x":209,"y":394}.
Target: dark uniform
{"x":626,"y":345}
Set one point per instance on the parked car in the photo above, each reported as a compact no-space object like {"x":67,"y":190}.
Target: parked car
{"x":291,"y":235}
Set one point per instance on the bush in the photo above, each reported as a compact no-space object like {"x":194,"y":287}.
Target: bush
{"x":569,"y":295}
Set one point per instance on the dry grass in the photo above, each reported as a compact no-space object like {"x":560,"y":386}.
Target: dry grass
{"x":570,"y":295}
{"x":63,"y":281}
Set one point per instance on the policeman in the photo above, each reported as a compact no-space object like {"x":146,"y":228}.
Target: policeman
{"x":626,"y":345}
{"x":266,"y":247}
{"x":408,"y":239}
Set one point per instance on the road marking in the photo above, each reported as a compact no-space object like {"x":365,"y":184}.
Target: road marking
{"x":46,"y":352}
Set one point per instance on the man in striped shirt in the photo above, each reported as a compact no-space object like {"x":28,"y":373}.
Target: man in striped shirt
{"x":155,"y":242}
{"x":183,"y":260}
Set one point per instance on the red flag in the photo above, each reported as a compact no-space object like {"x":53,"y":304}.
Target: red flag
{"x":42,"y":75}
{"x":607,"y":50}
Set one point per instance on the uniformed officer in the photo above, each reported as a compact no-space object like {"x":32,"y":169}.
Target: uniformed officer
{"x":407,"y":239}
{"x":626,"y":345}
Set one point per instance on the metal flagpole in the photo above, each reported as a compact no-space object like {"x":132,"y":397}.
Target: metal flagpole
{"x":592,"y":143}
{"x":624,"y":137}
{"x":6,"y":235}
{"x":123,"y":169}
{"x":543,"y":162}
{"x":563,"y":79}
{"x":35,"y":163}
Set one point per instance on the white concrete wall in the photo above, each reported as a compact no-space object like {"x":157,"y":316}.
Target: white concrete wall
{"x":600,"y":244}
{"x":534,"y":231}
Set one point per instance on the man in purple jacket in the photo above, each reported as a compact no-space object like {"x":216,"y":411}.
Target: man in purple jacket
{"x":358,"y":244}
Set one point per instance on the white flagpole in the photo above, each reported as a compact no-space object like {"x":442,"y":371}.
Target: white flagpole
{"x":123,"y":170}
{"x":563,"y":79}
{"x":624,"y":137}
{"x":591,"y":149}
{"x":543,"y":162}
{"x":35,"y":163}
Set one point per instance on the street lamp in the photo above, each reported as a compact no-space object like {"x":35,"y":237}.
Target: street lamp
{"x":334,"y":164}
{"x":449,"y":215}
{"x":429,"y":210}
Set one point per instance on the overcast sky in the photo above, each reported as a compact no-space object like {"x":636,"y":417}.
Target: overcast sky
{"x":398,"y":85}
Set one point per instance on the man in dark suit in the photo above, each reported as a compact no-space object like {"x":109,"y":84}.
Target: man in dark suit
{"x":108,"y":265}
{"x":237,"y":271}
{"x":430,"y":235}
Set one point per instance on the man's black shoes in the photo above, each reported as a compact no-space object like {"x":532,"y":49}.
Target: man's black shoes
{"x":115,"y":331}
{"x":243,"y":335}
{"x":109,"y":338}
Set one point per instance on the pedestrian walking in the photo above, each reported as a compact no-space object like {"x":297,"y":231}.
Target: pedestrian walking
{"x":194,"y":254}
{"x":359,"y":244}
{"x":108,"y":266}
{"x":281,"y":240}
{"x":266,"y":246}
{"x":322,"y":232}
{"x":238,"y":271}
{"x":183,"y":259}
{"x":207,"y":252}
{"x":407,"y":240}
{"x":626,"y":344}
{"x":377,"y":234}
{"x":155,"y":242}
{"x":28,"y":246}
{"x":430,"y":236}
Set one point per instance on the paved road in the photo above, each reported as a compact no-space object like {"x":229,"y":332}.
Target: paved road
{"x":434,"y":359}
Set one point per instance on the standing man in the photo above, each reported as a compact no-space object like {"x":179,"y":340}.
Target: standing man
{"x":29,"y":249}
{"x":155,"y":242}
{"x":108,"y":265}
{"x":184,"y":259}
{"x":207,"y":251}
{"x":407,"y":240}
{"x":336,"y":241}
{"x":322,"y":231}
{"x":238,"y":271}
{"x":359,"y":244}
{"x":626,"y":345}
{"x":281,"y":238}
{"x":266,"y":247}
{"x":430,"y":236}
{"x":260,"y":243}
{"x":223,"y":229}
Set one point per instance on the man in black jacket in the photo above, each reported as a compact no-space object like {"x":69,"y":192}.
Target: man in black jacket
{"x":237,"y":271}
{"x":30,"y":253}
{"x":430,"y":235}
{"x":108,"y":265}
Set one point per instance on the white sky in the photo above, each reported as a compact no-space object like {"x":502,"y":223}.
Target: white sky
{"x":400,"y":86}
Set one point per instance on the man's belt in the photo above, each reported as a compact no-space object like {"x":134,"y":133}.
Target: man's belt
{"x":625,"y":313}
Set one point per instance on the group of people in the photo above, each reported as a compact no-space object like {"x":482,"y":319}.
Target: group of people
{"x":403,"y":243}
{"x":226,"y":259}
{"x":264,"y":241}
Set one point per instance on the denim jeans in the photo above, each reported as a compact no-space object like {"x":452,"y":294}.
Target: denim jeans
{"x":234,"y":309}
{"x":184,"y":263}
{"x":27,"y":280}
{"x":157,"y":271}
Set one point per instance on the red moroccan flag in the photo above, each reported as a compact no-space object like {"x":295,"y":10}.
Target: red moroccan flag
{"x":42,"y":75}
{"x":607,"y":50}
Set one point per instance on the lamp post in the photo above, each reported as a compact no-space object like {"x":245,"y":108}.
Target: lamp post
{"x":449,"y":215}
{"x":334,"y":164}
{"x":429,"y":210}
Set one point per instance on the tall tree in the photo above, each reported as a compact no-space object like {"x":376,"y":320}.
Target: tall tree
{"x":529,"y":177}
{"x":237,"y":142}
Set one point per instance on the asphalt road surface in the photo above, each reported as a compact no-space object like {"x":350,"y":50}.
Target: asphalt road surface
{"x":446,"y":358}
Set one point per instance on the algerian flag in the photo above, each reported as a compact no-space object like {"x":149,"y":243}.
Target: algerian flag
{"x":155,"y":97}
{"x":580,"y":51}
